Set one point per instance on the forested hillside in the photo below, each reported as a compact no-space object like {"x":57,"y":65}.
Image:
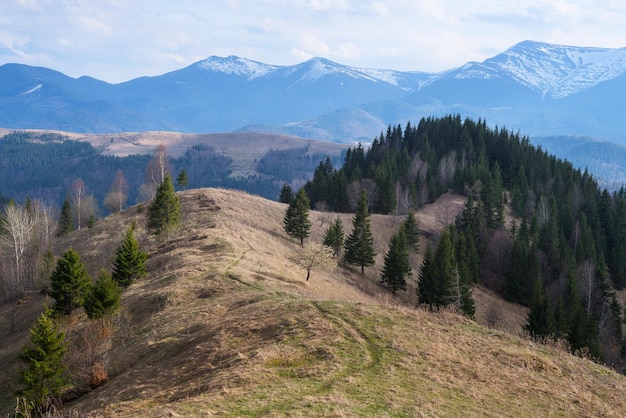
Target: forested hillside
{"x":45,"y":165}
{"x":561,"y":252}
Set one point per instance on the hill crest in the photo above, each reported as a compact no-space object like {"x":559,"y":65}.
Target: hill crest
{"x":226,"y":324}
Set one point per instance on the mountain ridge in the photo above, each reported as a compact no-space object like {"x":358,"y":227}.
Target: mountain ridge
{"x":564,"y":87}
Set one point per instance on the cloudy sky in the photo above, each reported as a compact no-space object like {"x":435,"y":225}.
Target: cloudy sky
{"x":117,"y":40}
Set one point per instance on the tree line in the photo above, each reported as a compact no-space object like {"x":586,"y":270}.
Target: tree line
{"x":561,"y":253}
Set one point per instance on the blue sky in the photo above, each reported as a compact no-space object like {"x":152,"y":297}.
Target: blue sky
{"x":117,"y":40}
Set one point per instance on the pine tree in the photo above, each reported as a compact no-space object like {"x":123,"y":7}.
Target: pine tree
{"x":296,"y":221}
{"x":427,"y":281}
{"x":396,"y":266}
{"x":359,"y":246}
{"x":334,"y":236}
{"x":182,"y":180}
{"x":411,"y":231}
{"x":540,"y":322}
{"x":70,"y":283}
{"x":130,"y":262}
{"x":44,"y":376}
{"x":286,"y":194}
{"x":164,"y":211}
{"x":65,"y":219}
{"x":104,"y":298}
{"x":440,"y":283}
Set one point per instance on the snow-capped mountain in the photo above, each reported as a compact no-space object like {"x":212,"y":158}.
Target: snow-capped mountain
{"x":554,"y":70}
{"x":538,"y":88}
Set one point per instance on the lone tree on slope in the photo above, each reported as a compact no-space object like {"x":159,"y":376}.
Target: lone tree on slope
{"x":396,"y":266}
{"x":296,"y":221}
{"x":130,"y":262}
{"x":359,"y":246}
{"x":164,"y":211}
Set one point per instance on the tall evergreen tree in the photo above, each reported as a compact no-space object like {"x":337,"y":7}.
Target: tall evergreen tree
{"x":130,"y":262}
{"x":104,"y":298}
{"x":427,"y":281}
{"x":396,"y":266}
{"x":411,"y":231}
{"x":540,"y":322}
{"x":296,"y":221}
{"x":44,"y":376}
{"x":286,"y":194}
{"x":70,"y":283}
{"x":65,"y":219}
{"x":359,"y":246}
{"x":164,"y":211}
{"x":440,"y":283}
{"x":334,"y":236}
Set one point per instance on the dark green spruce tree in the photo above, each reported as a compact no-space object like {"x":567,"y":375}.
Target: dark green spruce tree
{"x":43,"y":376}
{"x":411,"y":231}
{"x":130,"y":262}
{"x":65,"y":219}
{"x":286,"y":194}
{"x":359,"y":246}
{"x":164,"y":211}
{"x":182,"y":180}
{"x":70,"y":283}
{"x":396,"y":267}
{"x":334,"y":236}
{"x":540,"y":321}
{"x":104,"y":298}
{"x":296,"y":221}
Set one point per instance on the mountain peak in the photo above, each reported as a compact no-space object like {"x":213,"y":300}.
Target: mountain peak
{"x":558,"y":70}
{"x":236,"y":66}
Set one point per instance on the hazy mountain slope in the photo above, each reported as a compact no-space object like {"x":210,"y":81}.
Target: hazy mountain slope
{"x":541,"y":89}
{"x":225,"y":324}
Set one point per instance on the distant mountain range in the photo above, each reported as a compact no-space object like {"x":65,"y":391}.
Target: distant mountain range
{"x":537,"y":88}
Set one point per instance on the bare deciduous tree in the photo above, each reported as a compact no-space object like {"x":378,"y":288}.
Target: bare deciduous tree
{"x":18,"y":233}
{"x":115,"y":200}
{"x":155,"y":173}
{"x":77,"y":195}
{"x":447,"y":167}
{"x":314,"y":254}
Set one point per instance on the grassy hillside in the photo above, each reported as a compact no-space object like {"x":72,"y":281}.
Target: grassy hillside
{"x":225,"y":324}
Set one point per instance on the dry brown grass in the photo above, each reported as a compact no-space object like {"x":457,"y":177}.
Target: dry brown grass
{"x":225,"y":324}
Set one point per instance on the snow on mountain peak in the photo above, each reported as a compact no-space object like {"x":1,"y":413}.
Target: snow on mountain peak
{"x":558,"y":70}
{"x":236,"y":66}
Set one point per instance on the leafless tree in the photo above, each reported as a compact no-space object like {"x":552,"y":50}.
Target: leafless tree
{"x":115,"y":200}
{"x":17,"y":237}
{"x":314,"y":254}
{"x":354,"y":192}
{"x":447,"y":168}
{"x":77,"y":195}
{"x":543,"y":211}
{"x":587,"y":280}
{"x":158,"y":165}
{"x":155,"y":173}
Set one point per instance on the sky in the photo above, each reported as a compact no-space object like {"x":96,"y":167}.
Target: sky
{"x":118,"y":40}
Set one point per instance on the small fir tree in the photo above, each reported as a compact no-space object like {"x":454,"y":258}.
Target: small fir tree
{"x":70,"y":283}
{"x":396,"y":266}
{"x":359,"y":246}
{"x":130,"y":262}
{"x":44,"y":376}
{"x":104,"y":298}
{"x":182,"y":180}
{"x":540,"y":320}
{"x":296,"y":221}
{"x":286,"y":194}
{"x":334,"y":236}
{"x":164,"y":211}
{"x":411,"y":231}
{"x":65,"y":219}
